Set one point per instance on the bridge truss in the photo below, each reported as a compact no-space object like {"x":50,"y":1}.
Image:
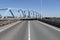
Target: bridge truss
{"x":24,"y":14}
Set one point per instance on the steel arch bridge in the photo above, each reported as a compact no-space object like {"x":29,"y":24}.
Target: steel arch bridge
{"x":22,"y":14}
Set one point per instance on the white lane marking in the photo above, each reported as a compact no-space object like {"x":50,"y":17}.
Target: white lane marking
{"x":28,"y":30}
{"x":49,"y":26}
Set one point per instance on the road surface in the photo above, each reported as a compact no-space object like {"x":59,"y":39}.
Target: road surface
{"x":42,"y":32}
{"x":30,"y":30}
{"x":17,"y":32}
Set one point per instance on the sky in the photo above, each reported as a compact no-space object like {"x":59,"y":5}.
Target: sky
{"x":24,"y":4}
{"x":50,"y":8}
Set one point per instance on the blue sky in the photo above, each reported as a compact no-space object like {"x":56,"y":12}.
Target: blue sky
{"x":49,"y":7}
{"x":25,"y":4}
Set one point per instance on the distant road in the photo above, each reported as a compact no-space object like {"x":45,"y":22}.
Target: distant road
{"x":30,"y":30}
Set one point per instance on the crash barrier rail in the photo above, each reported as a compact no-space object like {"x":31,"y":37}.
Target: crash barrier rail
{"x":55,"y":23}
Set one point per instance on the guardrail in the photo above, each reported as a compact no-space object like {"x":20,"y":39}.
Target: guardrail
{"x":55,"y":23}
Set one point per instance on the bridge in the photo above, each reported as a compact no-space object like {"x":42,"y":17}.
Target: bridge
{"x":20,"y":13}
{"x":26,"y":29}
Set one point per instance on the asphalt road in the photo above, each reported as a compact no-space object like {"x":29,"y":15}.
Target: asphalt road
{"x":30,"y":30}
{"x":17,"y":32}
{"x":39,"y":31}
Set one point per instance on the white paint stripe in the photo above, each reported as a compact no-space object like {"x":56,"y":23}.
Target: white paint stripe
{"x":49,"y":26}
{"x":8,"y":26}
{"x":28,"y":30}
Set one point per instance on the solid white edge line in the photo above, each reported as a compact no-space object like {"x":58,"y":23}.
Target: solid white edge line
{"x":28,"y":30}
{"x":49,"y":26}
{"x":8,"y":26}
